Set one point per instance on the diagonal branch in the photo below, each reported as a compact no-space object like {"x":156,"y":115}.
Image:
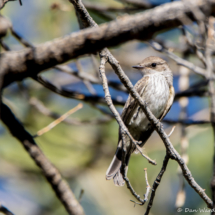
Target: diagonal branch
{"x":4,"y":210}
{"x":159,"y":128}
{"x":186,"y":122}
{"x":142,"y":202}
{"x":59,"y":185}
{"x":45,"y":111}
{"x":108,"y":99}
{"x":3,"y":2}
{"x":172,"y":153}
{"x":73,"y":94}
{"x":178,"y":60}
{"x":58,"y":120}
{"x":157,"y":183}
{"x":17,"y":65}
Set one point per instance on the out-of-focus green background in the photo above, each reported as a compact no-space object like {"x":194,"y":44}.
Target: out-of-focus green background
{"x":83,"y":153}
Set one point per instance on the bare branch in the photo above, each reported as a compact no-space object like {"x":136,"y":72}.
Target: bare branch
{"x":191,"y":92}
{"x":81,"y":195}
{"x":21,"y":39}
{"x":159,"y":128}
{"x":142,"y":202}
{"x":139,"y":4}
{"x":73,"y":94}
{"x":148,"y":188}
{"x":92,"y":79}
{"x":85,"y":81}
{"x":108,"y":99}
{"x":4,"y":210}
{"x":193,"y":45}
{"x":102,"y":9}
{"x":156,"y":183}
{"x":59,"y":120}
{"x":3,"y":2}
{"x":105,"y":55}
{"x":172,"y":130}
{"x":29,"y":62}
{"x":4,"y":46}
{"x":65,"y":68}
{"x":179,"y":60}
{"x":186,"y":122}
{"x":41,"y":108}
{"x":59,"y":185}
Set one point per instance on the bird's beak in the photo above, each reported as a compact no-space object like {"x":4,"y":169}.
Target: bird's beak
{"x":137,"y":67}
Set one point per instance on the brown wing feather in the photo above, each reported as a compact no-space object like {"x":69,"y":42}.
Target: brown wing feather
{"x":131,"y":102}
{"x":169,"y":103}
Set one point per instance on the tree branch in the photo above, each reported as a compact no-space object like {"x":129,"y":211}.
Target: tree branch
{"x":17,"y":65}
{"x":157,"y":183}
{"x":73,"y":94}
{"x":59,"y":185}
{"x":108,"y":99}
{"x":4,"y":210}
{"x":173,"y":154}
{"x":45,"y":111}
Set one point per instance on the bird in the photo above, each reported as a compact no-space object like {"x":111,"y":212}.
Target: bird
{"x":156,"y":89}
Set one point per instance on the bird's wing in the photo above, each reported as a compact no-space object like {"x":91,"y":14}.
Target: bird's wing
{"x":127,"y":112}
{"x":131,"y":103}
{"x":169,"y":103}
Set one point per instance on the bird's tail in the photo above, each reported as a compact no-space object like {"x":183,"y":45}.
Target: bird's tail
{"x":115,"y":169}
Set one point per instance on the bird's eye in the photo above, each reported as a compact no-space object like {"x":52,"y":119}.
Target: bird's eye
{"x":154,"y":64}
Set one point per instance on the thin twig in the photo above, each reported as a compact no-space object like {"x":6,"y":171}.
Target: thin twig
{"x":57,"y":121}
{"x":81,"y":195}
{"x":86,"y":82}
{"x":21,"y":39}
{"x":140,"y":4}
{"x":148,"y":187}
{"x":156,"y":183}
{"x":178,"y":60}
{"x":73,"y":94}
{"x":3,"y":2}
{"x":191,"y":44}
{"x":86,"y":78}
{"x":45,"y":111}
{"x":102,"y":9}
{"x":172,"y":130}
{"x":142,"y":202}
{"x":4,"y":46}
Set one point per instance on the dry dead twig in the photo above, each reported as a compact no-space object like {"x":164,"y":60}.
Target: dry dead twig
{"x":57,"y":121}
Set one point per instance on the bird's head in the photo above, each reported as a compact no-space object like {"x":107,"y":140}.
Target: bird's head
{"x":152,"y":65}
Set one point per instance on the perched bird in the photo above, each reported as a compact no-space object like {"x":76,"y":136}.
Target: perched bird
{"x":156,"y":89}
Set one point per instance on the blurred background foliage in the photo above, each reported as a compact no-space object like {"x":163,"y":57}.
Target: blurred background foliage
{"x":83,"y":153}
